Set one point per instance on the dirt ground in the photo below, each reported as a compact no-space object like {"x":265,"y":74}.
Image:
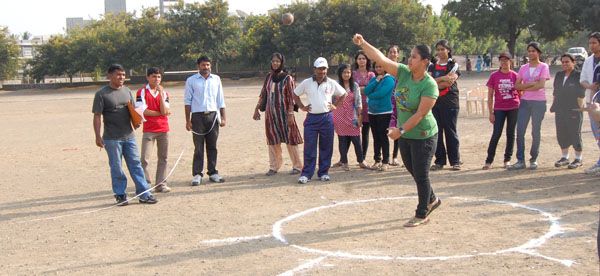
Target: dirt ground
{"x":56,"y":214}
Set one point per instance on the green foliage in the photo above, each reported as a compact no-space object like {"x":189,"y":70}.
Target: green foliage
{"x":9,"y":54}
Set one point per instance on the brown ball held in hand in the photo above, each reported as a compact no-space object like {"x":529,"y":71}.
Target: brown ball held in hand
{"x":287,"y":18}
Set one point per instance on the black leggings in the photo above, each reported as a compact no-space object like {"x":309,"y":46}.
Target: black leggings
{"x":381,"y":143}
{"x":344,"y":146}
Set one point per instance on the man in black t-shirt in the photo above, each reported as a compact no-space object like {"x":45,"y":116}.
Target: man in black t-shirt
{"x":118,"y":139}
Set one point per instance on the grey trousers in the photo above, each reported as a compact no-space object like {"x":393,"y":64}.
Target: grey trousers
{"x":162,"y":145}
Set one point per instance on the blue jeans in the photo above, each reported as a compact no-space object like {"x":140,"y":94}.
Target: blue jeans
{"x":535,"y":111}
{"x":318,"y":131}
{"x":116,"y":150}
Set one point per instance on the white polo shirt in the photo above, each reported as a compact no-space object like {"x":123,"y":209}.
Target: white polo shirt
{"x":319,"y":95}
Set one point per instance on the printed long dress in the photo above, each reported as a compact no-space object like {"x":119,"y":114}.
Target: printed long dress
{"x":280,"y":102}
{"x":344,"y":116}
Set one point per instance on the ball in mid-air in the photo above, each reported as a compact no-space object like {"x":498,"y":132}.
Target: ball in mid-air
{"x":287,"y":18}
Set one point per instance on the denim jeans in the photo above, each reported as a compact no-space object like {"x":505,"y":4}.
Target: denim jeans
{"x":446,"y":120}
{"x":510,"y":116}
{"x":344,"y":145}
{"x":535,"y":111}
{"x":416,"y":156}
{"x":125,"y":148}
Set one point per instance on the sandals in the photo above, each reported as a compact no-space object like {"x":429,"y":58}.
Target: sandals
{"x":362,"y":165}
{"x":337,"y":165}
{"x":345,"y":167}
{"x":414,"y":222}
{"x":436,"y":167}
{"x":271,"y":172}
{"x":376,"y":166}
{"x":487,"y":166}
{"x":395,"y":162}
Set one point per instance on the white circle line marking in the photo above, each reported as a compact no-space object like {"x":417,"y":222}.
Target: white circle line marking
{"x":526,"y":248}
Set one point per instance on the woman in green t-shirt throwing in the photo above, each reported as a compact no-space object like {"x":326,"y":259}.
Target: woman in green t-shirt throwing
{"x":416,"y":93}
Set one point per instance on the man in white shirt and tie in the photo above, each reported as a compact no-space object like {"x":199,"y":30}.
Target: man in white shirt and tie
{"x":204,"y":114}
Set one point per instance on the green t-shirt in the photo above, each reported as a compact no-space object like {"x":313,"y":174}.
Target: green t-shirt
{"x":408,"y":97}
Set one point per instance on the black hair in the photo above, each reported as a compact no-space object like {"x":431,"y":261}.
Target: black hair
{"x":375,"y":65}
{"x":341,"y":68}
{"x":355,"y":65}
{"x":393,"y":46}
{"x":536,"y":46}
{"x":115,"y":67}
{"x":152,"y":71}
{"x":595,"y":35}
{"x":424,"y":51}
{"x":567,"y":55}
{"x":281,"y":58}
{"x":444,"y":43}
{"x":202,"y":59}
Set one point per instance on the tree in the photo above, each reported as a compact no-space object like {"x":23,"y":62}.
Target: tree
{"x":26,"y":35}
{"x":9,"y":55}
{"x":508,"y":18}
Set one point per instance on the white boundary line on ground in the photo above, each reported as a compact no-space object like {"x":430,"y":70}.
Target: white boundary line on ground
{"x":305,"y":266}
{"x":526,"y":248}
{"x":111,"y":206}
{"x":235,"y":240}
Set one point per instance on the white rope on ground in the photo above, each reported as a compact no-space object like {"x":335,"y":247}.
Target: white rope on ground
{"x":114,"y":205}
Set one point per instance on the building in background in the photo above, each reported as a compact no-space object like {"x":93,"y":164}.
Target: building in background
{"x":162,"y":4}
{"x":115,"y":6}
{"x":76,"y":22}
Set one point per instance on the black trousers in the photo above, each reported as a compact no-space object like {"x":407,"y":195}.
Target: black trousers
{"x":344,"y":146}
{"x":510,"y":116}
{"x":446,"y":120}
{"x":207,"y":133}
{"x":381,"y":144}
{"x":366,"y":126}
{"x":568,"y":129}
{"x":416,"y":156}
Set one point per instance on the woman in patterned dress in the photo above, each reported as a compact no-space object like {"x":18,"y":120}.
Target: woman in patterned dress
{"x":347,"y":119}
{"x":276,"y":100}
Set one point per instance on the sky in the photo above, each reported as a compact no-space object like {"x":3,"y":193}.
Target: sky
{"x":47,"y":17}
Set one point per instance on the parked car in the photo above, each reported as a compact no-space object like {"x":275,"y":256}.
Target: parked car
{"x":580,"y":55}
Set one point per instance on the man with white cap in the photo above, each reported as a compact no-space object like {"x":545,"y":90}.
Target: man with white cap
{"x":318,"y":125}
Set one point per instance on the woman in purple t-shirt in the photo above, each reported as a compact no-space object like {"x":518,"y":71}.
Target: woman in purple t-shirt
{"x":531,"y":81}
{"x":503,"y":104}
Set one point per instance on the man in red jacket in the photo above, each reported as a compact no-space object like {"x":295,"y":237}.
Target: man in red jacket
{"x":154,"y":101}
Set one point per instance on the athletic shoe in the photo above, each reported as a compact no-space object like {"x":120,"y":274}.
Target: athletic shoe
{"x":433,"y":205}
{"x":216,"y":178}
{"x":148,"y":200}
{"x":121,"y":200}
{"x":162,"y":188}
{"x":436,"y":167}
{"x":506,"y":164}
{"x":325,"y":177}
{"x":414,"y":222}
{"x":593,"y":169}
{"x":562,"y":162}
{"x":197,"y":180}
{"x":575,"y":164}
{"x":303,"y":180}
{"x":456,"y":167}
{"x":533,"y":165}
{"x":517,"y":166}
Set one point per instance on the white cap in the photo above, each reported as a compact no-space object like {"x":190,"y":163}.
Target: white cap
{"x":321,"y":62}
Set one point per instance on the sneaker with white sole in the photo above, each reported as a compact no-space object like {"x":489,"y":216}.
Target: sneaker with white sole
{"x":533,"y":165}
{"x":216,"y":178}
{"x":303,"y":180}
{"x":197,"y":180}
{"x":325,"y":177}
{"x":517,"y":166}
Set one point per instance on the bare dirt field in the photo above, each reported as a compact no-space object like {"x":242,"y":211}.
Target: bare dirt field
{"x":57,"y":214}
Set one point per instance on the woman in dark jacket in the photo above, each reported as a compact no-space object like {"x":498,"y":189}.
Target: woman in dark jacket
{"x":568,"y":100}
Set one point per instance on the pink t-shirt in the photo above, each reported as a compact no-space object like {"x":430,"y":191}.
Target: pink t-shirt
{"x":506,"y":96}
{"x":541,"y":71}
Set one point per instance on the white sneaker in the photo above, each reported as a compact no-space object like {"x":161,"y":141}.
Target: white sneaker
{"x":593,"y":169}
{"x":197,"y":180}
{"x":325,"y":177}
{"x":303,"y":180}
{"x":216,"y":178}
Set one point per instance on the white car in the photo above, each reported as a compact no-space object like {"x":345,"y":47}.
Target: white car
{"x":578,"y":52}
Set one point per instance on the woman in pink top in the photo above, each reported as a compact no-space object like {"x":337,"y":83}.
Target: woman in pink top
{"x":503,"y":104}
{"x":531,"y":81}
{"x":362,"y":75}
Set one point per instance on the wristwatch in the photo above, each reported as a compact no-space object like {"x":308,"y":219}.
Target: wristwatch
{"x":402,"y":131}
